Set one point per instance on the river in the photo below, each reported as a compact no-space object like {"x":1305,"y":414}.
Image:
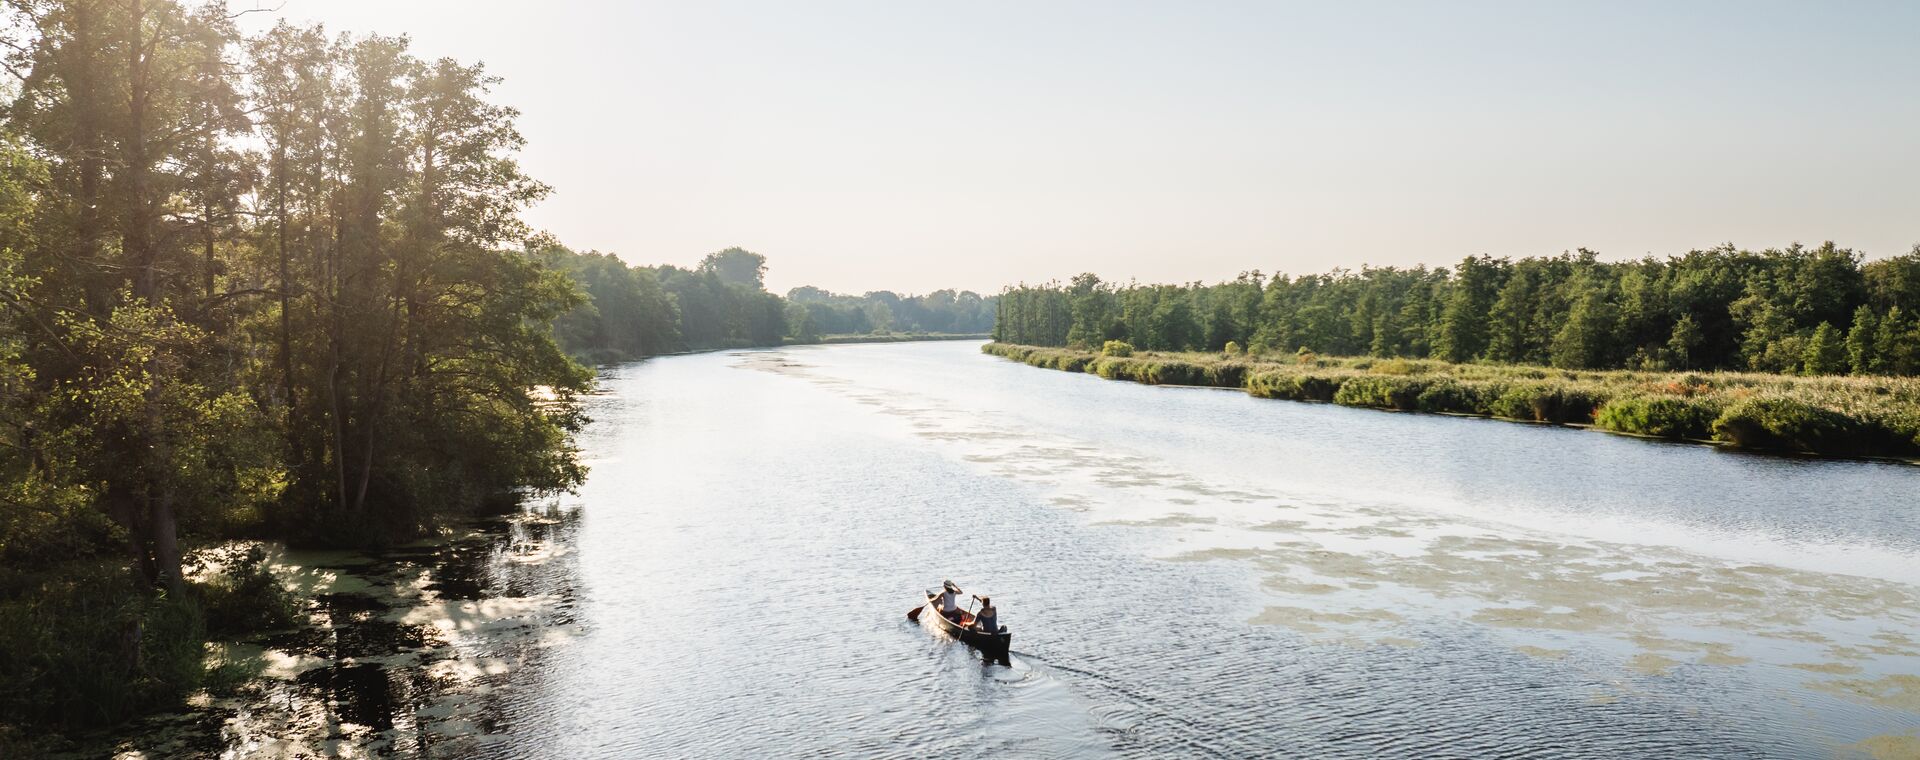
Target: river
{"x":1187,"y":572}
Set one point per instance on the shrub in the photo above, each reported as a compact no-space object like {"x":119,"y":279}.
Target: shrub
{"x":1448,"y":396}
{"x":1233,"y":349}
{"x":1663,"y":416}
{"x":245,"y":596}
{"x":1545,"y":403}
{"x":1116,"y":348}
{"x":1383,"y":392}
{"x":1293,"y":386}
{"x":1227,"y":375}
{"x":1784,"y":423}
{"x":88,"y":647}
{"x":1835,"y":415}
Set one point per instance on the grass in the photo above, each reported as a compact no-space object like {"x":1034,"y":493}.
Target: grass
{"x":1845,"y":416}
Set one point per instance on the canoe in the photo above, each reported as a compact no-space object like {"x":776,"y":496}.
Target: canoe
{"x":993,"y":645}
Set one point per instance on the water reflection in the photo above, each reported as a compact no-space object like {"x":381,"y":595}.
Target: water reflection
{"x":400,"y":652}
{"x":1191,"y":574}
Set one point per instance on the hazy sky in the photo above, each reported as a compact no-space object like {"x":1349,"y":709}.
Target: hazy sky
{"x":916,"y":146}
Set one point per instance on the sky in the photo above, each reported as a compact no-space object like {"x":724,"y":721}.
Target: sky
{"x":917,"y":146}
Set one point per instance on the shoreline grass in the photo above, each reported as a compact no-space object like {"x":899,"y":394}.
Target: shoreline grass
{"x":1829,"y":415}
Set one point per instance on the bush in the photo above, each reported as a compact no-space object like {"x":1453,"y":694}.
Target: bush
{"x":1233,"y":349}
{"x":1834,"y":415}
{"x":1449,"y":396}
{"x":245,"y":596}
{"x":1783,"y":423}
{"x":1116,"y":348}
{"x":1663,"y":416}
{"x":1293,"y":386}
{"x":1382,"y":392}
{"x":1227,"y":375}
{"x":88,"y":647}
{"x":1542,"y":402}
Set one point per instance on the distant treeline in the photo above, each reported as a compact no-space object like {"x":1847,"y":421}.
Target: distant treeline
{"x":812,"y":312}
{"x":1795,"y":310}
{"x":633,"y":312}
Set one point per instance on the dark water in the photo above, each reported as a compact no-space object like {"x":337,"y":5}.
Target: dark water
{"x":1187,"y":573}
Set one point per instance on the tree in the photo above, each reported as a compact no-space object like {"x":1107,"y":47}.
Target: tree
{"x":1862,"y":354}
{"x":737,"y":266}
{"x":1684,"y":343}
{"x":1897,"y":343}
{"x":1508,"y":339}
{"x":1587,"y":340}
{"x":1826,"y":352}
{"x":1463,"y":325}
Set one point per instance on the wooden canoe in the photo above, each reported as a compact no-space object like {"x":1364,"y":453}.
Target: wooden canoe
{"x":994,"y":645}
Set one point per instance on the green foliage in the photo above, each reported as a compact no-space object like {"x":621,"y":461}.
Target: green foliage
{"x":1715,"y":309}
{"x":1661,"y":416}
{"x":1233,"y":348}
{"x":1293,"y":386}
{"x":1784,"y":423}
{"x":1116,"y":348}
{"x":88,"y":647}
{"x":625,"y":315}
{"x":243,"y":595}
{"x":1381,"y":392}
{"x":942,"y":312}
{"x":1544,"y":402}
{"x":1863,"y":357}
{"x":1873,"y":416}
{"x":288,"y":296}
{"x":1826,"y":352}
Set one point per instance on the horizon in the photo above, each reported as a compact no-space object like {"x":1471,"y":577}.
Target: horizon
{"x":864,"y":147}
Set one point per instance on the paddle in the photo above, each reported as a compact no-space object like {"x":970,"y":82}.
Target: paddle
{"x":913,"y":615}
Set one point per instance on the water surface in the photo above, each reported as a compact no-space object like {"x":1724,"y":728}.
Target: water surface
{"x":1188,"y":573}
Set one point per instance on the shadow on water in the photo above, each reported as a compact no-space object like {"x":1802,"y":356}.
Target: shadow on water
{"x":400,"y":654}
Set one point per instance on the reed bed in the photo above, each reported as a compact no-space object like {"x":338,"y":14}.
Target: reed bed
{"x":1831,"y":415}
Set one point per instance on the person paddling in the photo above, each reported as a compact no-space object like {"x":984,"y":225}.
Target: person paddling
{"x":988,"y":618}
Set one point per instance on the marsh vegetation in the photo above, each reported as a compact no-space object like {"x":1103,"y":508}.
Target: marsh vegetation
{"x":1851,"y":416}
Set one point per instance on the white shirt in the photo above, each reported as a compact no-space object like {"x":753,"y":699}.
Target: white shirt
{"x":949,"y":601}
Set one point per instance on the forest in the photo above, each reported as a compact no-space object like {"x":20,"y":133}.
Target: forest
{"x":632,"y":312}
{"x":267,"y":286}
{"x":1798,"y":310}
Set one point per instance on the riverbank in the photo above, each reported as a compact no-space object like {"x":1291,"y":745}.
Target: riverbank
{"x":893,"y":338}
{"x":1840,"y":416}
{"x":392,"y":651}
{"x":605,"y":358}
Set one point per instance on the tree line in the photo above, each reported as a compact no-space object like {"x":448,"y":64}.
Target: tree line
{"x":812,"y":313}
{"x":1809,"y":310}
{"x":258,"y":286}
{"x":632,"y":312}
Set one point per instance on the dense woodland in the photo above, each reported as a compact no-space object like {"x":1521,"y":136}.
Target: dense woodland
{"x":1797,"y":310}
{"x":267,"y":286}
{"x":638,"y":311}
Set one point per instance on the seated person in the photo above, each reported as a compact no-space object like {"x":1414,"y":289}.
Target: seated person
{"x":988,"y":618}
{"x":950,"y":601}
